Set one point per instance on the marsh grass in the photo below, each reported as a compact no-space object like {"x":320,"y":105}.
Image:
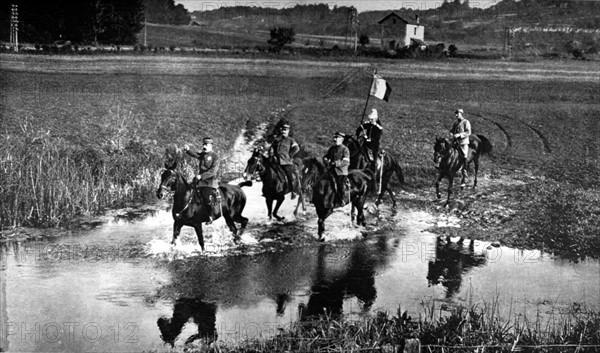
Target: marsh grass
{"x":47,"y":181}
{"x":474,"y":328}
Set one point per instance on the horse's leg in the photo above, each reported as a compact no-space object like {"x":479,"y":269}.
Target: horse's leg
{"x":232,"y":227}
{"x":437,"y":185}
{"x":386,"y":187}
{"x":269,"y":207}
{"x":277,"y":205}
{"x":243,"y":221}
{"x":450,"y":182}
{"x":360,"y":219}
{"x":321,"y":222}
{"x":176,"y":230}
{"x":300,"y":201}
{"x":476,"y":167}
{"x":200,"y":236}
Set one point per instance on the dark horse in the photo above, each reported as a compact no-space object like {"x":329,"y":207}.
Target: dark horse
{"x":189,"y":210}
{"x":359,"y":159}
{"x":447,"y":156}
{"x":274,"y":181}
{"x":322,"y":182}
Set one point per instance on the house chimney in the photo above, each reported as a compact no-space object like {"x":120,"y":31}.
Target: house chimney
{"x":417,"y":18}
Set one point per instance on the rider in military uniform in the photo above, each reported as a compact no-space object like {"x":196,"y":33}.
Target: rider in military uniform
{"x":284,"y":148}
{"x":370,"y":131}
{"x":460,"y":131}
{"x":206,"y":181}
{"x":338,"y":158}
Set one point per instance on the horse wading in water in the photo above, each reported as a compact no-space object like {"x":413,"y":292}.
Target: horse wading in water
{"x":318,"y":177}
{"x":189,"y":210}
{"x":359,"y":159}
{"x":447,"y":158}
{"x":274,"y":181}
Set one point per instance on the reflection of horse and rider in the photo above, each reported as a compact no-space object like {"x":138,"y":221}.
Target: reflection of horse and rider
{"x":329,"y":289}
{"x":203,"y":314}
{"x":452,"y":261}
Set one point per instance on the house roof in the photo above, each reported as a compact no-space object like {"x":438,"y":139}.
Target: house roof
{"x":410,"y":21}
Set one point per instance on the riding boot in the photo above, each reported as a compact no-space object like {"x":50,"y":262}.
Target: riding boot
{"x":214,"y":205}
{"x":343,"y":188}
{"x":463,"y":171}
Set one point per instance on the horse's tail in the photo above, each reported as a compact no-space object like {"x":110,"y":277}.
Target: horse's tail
{"x":245,"y":183}
{"x":486,"y":145}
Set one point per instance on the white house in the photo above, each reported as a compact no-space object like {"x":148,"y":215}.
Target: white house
{"x":397,"y":31}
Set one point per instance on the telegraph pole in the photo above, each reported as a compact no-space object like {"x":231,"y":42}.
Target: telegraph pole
{"x":355,"y":26}
{"x":14,"y":27}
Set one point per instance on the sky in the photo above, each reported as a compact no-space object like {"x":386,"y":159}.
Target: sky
{"x":361,"y":5}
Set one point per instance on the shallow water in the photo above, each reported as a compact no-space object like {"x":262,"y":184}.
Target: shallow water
{"x":106,"y":289}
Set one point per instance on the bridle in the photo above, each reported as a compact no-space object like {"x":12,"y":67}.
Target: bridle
{"x":169,"y":190}
{"x":164,"y":187}
{"x":443,"y":150}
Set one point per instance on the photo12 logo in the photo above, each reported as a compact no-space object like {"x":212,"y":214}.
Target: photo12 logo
{"x":68,"y":332}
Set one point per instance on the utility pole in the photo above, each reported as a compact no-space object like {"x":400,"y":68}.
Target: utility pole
{"x":355,"y":26}
{"x":14,"y":27}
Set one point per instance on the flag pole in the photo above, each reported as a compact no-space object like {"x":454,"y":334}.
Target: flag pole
{"x":368,"y":95}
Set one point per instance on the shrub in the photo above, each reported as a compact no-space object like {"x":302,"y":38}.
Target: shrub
{"x":452,"y":49}
{"x":281,"y":36}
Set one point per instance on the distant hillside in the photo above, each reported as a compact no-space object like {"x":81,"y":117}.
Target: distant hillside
{"x":452,"y":22}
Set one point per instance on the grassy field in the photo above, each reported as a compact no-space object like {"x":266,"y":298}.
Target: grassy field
{"x":107,"y":120}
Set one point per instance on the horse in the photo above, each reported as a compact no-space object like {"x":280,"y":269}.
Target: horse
{"x":447,"y":158}
{"x":189,"y":210}
{"x":274,"y":181}
{"x":359,"y":159}
{"x":321,"y":180}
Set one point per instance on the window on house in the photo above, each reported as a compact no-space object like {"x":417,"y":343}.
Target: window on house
{"x":394,"y":21}
{"x":415,"y":31}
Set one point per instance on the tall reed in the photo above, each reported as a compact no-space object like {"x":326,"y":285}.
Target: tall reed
{"x":47,"y":181}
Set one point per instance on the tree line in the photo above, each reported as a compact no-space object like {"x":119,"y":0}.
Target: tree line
{"x":87,"y":21}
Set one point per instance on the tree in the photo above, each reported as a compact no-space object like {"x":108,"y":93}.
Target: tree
{"x":363,"y":39}
{"x":280,"y":36}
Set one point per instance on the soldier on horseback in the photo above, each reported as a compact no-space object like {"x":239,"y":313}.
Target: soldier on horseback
{"x":370,"y":134}
{"x":338,"y":158}
{"x":206,"y":181}
{"x":460,"y":131}
{"x":284,"y":148}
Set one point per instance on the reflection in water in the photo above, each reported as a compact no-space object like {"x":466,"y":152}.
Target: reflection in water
{"x":203,"y":314}
{"x":272,"y":282}
{"x":452,"y":261}
{"x":330,"y":288}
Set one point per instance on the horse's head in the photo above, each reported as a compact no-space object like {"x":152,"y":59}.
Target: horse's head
{"x":440,"y":148}
{"x":352,"y":143}
{"x":168,"y":181}
{"x":310,"y":172}
{"x":255,"y":164}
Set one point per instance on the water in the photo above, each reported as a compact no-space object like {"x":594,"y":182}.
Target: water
{"x":108,"y":288}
